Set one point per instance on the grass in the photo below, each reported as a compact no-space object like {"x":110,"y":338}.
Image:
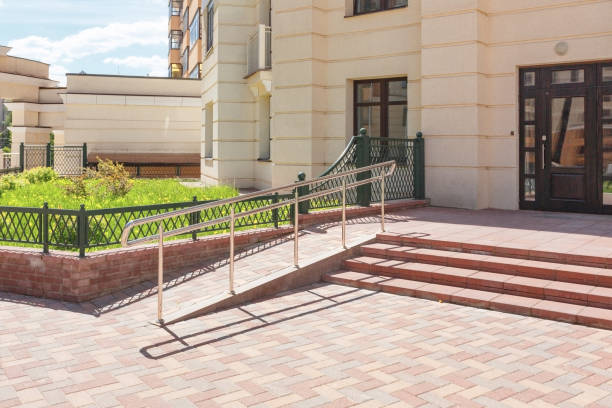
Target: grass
{"x":144,"y":192}
{"x":33,"y":188}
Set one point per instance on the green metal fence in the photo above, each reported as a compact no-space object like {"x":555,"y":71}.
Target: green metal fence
{"x":407,"y":182}
{"x":82,"y":230}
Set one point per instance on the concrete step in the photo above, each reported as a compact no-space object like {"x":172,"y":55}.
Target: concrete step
{"x":578,"y":274}
{"x":545,"y":289}
{"x":546,"y":309}
{"x":483,"y":249}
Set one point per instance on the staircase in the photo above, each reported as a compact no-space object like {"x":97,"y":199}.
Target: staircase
{"x":569,"y":288}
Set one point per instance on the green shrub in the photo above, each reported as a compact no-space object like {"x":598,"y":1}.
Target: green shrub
{"x":40,"y":175}
{"x":111,"y":179}
{"x":6,"y":149}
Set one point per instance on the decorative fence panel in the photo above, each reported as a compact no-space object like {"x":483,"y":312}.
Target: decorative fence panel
{"x":34,"y":156}
{"x":82,"y":230}
{"x":9,"y":161}
{"x":65,"y":160}
{"x":68,"y":160}
{"x":407,"y":182}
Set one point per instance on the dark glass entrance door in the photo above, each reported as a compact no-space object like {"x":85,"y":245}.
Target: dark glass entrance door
{"x":562,"y":138}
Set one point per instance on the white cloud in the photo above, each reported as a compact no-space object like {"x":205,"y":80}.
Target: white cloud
{"x":155,"y":65}
{"x":91,"y":41}
{"x":58,"y":73}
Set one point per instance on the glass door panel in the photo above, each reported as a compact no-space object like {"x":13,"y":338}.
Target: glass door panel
{"x":567,"y":138}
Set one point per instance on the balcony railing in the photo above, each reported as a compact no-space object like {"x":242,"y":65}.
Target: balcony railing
{"x":259,"y":50}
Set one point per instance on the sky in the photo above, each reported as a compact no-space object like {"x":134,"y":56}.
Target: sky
{"x":125,"y":37}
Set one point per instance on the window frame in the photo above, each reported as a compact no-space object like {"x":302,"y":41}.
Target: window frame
{"x":199,"y":37}
{"x":210,"y":20}
{"x":185,"y":59}
{"x":384,"y":7}
{"x":174,"y":11}
{"x":383,"y":104}
{"x":179,"y":36}
{"x":199,"y":72}
{"x":180,"y":66}
{"x":185,"y":21}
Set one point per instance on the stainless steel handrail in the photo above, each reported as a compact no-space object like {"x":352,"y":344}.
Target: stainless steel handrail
{"x":161,"y":235}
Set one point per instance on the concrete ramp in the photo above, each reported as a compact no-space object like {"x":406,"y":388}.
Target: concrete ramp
{"x":311,"y":270}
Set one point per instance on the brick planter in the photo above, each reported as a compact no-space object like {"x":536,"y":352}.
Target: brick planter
{"x":64,"y":276}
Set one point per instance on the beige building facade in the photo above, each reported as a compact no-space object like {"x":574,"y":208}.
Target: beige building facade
{"x":140,"y":121}
{"x":514,"y":98}
{"x":330,"y":67}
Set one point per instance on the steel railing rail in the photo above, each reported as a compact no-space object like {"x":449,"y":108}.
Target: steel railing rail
{"x":389,"y":166}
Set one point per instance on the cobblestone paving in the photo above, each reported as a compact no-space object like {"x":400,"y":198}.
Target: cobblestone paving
{"x":324,"y":345}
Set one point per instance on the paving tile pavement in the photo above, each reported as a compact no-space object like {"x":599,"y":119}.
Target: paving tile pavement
{"x":324,"y":345}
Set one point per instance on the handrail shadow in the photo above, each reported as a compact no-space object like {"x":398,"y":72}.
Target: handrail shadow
{"x":146,"y":351}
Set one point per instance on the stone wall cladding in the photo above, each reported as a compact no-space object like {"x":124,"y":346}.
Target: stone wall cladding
{"x":64,"y":276}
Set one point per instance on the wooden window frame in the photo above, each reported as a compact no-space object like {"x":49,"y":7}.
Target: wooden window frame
{"x":384,"y":7}
{"x":383,"y":104}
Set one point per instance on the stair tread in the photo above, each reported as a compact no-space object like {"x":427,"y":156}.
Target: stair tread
{"x":543,"y":308}
{"x":499,"y":250}
{"x":542,"y":269}
{"x":476,"y":279}
{"x":468,"y":255}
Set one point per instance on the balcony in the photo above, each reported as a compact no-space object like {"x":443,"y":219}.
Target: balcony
{"x":259,"y":50}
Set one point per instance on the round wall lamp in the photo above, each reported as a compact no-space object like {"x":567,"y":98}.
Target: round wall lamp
{"x":561,"y":48}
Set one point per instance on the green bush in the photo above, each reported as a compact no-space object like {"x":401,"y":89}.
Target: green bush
{"x":37,"y":175}
{"x":113,"y":178}
{"x":6,"y":149}
{"x":110,"y":180}
{"x":40,"y":175}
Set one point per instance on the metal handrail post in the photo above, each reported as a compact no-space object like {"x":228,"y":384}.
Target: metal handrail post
{"x":296,"y":228}
{"x":344,"y":213}
{"x":160,"y":275}
{"x":232,"y":249}
{"x":382,"y":203}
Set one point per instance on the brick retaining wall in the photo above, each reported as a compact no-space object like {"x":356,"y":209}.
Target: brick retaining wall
{"x":64,"y":276}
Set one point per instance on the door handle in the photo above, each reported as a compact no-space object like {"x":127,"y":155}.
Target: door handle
{"x":543,"y":152}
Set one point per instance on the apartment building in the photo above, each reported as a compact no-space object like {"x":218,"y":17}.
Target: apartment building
{"x":513,"y":97}
{"x":185,"y":39}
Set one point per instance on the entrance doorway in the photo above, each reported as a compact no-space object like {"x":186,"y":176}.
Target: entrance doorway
{"x":566,"y":138}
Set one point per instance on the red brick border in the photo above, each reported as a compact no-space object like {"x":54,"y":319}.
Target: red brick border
{"x":64,"y":276}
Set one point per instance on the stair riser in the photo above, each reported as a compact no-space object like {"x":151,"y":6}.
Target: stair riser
{"x":497,"y":267}
{"x":572,"y":259}
{"x":501,"y":287}
{"x":528,"y":309}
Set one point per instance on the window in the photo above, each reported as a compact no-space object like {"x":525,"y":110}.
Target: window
{"x":174,"y":7}
{"x":381,"y":107}
{"x":263,"y":128}
{"x":175,"y":39}
{"x":194,"y":30}
{"x":369,"y":6}
{"x":208,"y":131}
{"x":210,"y":20}
{"x":185,"y":58}
{"x":186,"y":20}
{"x":175,"y":71}
{"x":195,"y":72}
